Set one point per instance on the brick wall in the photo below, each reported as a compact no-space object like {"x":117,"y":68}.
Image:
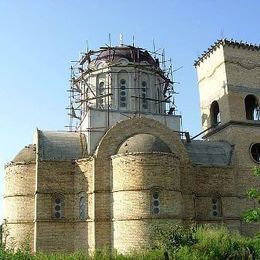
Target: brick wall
{"x":19,"y":204}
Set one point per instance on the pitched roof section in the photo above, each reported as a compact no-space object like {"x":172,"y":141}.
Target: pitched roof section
{"x":61,"y":145}
{"x":209,"y":153}
{"x":225,"y":42}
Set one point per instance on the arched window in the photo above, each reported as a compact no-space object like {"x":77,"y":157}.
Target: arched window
{"x":144,"y":95}
{"x":101,"y":91}
{"x":155,"y":202}
{"x":216,"y":207}
{"x":122,"y":90}
{"x":82,"y":208}
{"x":144,"y":91}
{"x":252,"y":108}
{"x":58,"y":204}
{"x":214,"y":113}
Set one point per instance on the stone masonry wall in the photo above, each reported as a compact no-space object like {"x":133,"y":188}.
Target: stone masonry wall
{"x":108,"y":147}
{"x":135,"y":177}
{"x":72,"y":180}
{"x":19,"y":204}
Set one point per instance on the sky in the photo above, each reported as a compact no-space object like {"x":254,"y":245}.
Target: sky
{"x":39,"y":39}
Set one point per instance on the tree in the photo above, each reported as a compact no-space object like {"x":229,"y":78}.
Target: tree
{"x":253,"y":214}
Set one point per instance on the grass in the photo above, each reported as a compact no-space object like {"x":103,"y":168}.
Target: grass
{"x":187,"y":243}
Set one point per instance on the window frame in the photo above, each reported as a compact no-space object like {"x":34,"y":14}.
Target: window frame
{"x":218,"y":205}
{"x":153,"y":199}
{"x":54,"y":204}
{"x":82,"y":218}
{"x":251,"y":155}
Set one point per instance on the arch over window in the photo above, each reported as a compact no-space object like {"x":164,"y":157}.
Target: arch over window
{"x":58,"y":203}
{"x":252,"y":108}
{"x":122,"y":90}
{"x":216,"y":207}
{"x":82,"y":208}
{"x":214,"y":113}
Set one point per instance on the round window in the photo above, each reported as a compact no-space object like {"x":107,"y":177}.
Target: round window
{"x":57,"y":201}
{"x":155,"y":195}
{"x":57,"y":215}
{"x":255,"y":152}
{"x":57,"y":207}
{"x":122,"y":81}
{"x":156,"y":210}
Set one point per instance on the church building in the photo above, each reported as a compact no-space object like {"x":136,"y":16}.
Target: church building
{"x":124,"y":165}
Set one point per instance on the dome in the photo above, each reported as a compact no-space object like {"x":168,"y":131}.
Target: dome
{"x":144,"y":143}
{"x":132,"y":54}
{"x":27,"y":154}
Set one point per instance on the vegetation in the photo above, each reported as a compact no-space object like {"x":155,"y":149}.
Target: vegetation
{"x":253,"y":215}
{"x":172,"y":242}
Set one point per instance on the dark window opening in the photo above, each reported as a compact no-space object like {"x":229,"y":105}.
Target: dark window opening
{"x":155,"y":203}
{"x":216,"y":207}
{"x":58,"y":207}
{"x":82,"y":208}
{"x":122,"y":93}
{"x":143,"y":94}
{"x":214,"y":113}
{"x":252,"y":108}
{"x":255,"y":152}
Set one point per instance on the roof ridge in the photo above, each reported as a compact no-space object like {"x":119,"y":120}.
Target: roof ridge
{"x":223,"y":42}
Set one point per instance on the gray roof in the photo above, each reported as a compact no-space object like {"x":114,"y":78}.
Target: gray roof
{"x":131,"y":53}
{"x":216,"y":153}
{"x":144,"y":143}
{"x":61,"y":145}
{"x":27,"y":154}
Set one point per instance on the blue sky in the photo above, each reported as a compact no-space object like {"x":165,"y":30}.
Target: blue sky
{"x":38,"y":39}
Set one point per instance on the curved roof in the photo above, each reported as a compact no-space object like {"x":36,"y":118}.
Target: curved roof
{"x":27,"y":154}
{"x":144,"y":143}
{"x":209,"y":153}
{"x":55,"y":145}
{"x":131,"y":53}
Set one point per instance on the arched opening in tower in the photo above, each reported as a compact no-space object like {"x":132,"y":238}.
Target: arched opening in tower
{"x":252,"y":108}
{"x":214,"y":113}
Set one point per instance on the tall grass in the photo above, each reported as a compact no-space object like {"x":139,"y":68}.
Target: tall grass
{"x":174,"y":242}
{"x":209,"y":243}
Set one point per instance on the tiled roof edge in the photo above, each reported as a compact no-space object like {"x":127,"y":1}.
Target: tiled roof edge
{"x":223,"y":42}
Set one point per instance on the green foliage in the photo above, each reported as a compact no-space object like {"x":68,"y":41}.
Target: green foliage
{"x":256,"y":171}
{"x":172,"y":238}
{"x":209,"y":243}
{"x":253,"y":215}
{"x":180,"y":243}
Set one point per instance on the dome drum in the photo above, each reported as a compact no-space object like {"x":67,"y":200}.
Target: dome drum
{"x":145,"y":170}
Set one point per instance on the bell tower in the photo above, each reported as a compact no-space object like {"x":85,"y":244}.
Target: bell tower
{"x":229,"y":85}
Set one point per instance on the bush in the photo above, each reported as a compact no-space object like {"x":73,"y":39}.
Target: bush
{"x":207,"y":242}
{"x":178,"y":242}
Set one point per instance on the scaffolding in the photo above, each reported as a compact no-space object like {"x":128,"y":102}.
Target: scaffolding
{"x":82,"y":92}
